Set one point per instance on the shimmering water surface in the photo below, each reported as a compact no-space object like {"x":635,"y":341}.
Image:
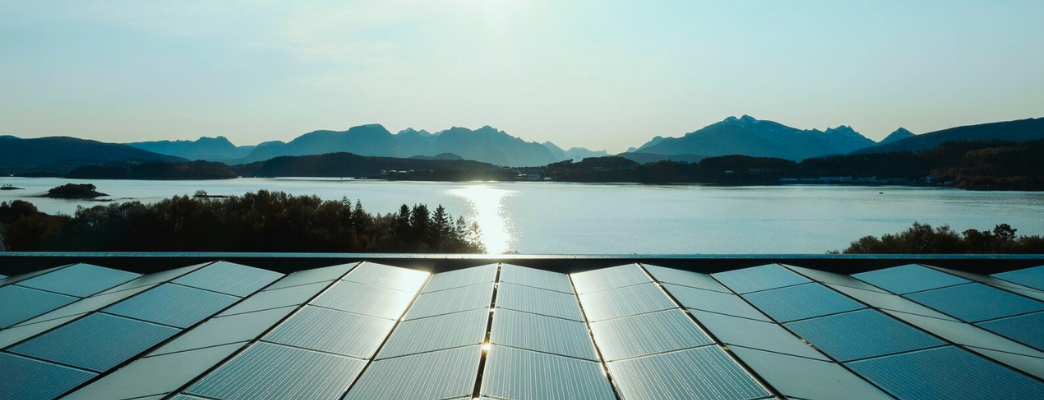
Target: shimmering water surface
{"x":566,"y":218}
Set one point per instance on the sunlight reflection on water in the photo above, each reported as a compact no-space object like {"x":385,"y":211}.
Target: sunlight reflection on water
{"x":487,"y":204}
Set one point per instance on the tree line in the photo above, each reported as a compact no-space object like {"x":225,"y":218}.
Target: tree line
{"x":924,"y":239}
{"x":255,"y":222}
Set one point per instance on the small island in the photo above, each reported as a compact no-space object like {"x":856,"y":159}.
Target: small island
{"x":74,"y":191}
{"x":7,"y":186}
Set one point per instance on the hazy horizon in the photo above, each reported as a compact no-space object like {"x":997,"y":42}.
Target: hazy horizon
{"x":595,"y":74}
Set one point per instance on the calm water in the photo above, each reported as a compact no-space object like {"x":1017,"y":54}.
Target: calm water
{"x":564,"y":218}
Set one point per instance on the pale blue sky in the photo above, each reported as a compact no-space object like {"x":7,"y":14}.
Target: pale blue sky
{"x":596,"y":73}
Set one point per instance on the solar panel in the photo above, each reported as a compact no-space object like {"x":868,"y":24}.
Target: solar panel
{"x":953,"y":374}
{"x":722,"y":303}
{"x":443,"y":374}
{"x":274,"y":372}
{"x":363,"y":299}
{"x":20,"y":304}
{"x":626,"y":301}
{"x":647,"y":334}
{"x":86,"y":305}
{"x":333,"y":331}
{"x":759,"y":278}
{"x":909,"y":278}
{"x":173,"y":305}
{"x":1032,"y":277}
{"x":1028,"y":364}
{"x":28,"y":379}
{"x":831,"y":278}
{"x":520,"y":374}
{"x":461,"y":278}
{"x":800,"y":302}
{"x":80,"y":280}
{"x":17,"y":334}
{"x":540,"y":333}
{"x":153,"y":279}
{"x":736,"y":331}
{"x":315,"y":275}
{"x":437,"y":333}
{"x":451,"y":301}
{"x":861,"y":334}
{"x":797,"y":377}
{"x":1028,"y":329}
{"x":538,"y":301}
{"x":609,"y":278}
{"x":536,"y":278}
{"x":685,"y":278}
{"x":97,"y":342}
{"x":403,"y":279}
{"x":277,"y":298}
{"x":224,"y":330}
{"x":888,"y":301}
{"x":976,"y":302}
{"x":155,"y":375}
{"x":225,"y":277}
{"x":701,"y":373}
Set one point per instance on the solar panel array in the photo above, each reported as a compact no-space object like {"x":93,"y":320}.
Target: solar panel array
{"x":223,"y":331}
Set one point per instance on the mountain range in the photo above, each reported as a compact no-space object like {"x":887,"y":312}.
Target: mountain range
{"x":745,"y":135}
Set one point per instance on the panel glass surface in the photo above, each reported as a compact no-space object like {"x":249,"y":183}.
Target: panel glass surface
{"x":797,"y":377}
{"x":333,"y":331}
{"x":1032,"y":277}
{"x":155,"y":375}
{"x":626,"y":301}
{"x":437,"y":333}
{"x":28,"y":379}
{"x":802,"y":301}
{"x":976,"y":302}
{"x":225,"y":277}
{"x":437,"y":375}
{"x":862,"y":334}
{"x":966,"y":334}
{"x":364,"y":299}
{"x":609,"y":278}
{"x":86,"y":305}
{"x":759,"y":278}
{"x":702,"y":373}
{"x":19,"y":333}
{"x":315,"y":275}
{"x":538,"y":301}
{"x":225,"y":330}
{"x":1028,"y":329}
{"x":277,"y":298}
{"x":274,"y":372}
{"x":96,"y":342}
{"x":706,"y":300}
{"x":889,"y":301}
{"x":403,"y":279}
{"x":461,"y":278}
{"x":154,"y":279}
{"x":831,"y":278}
{"x":451,"y":301}
{"x":523,"y":375}
{"x":80,"y":280}
{"x":536,"y":278}
{"x":755,"y":334}
{"x":947,"y":373}
{"x":540,"y":333}
{"x":647,"y":334}
{"x":173,"y":305}
{"x":20,"y":304}
{"x":685,"y":278}
{"x":909,"y":278}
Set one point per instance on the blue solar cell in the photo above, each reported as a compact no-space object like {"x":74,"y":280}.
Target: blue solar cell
{"x":97,"y":342}
{"x":1028,"y":329}
{"x":759,"y":278}
{"x":28,"y":379}
{"x":229,"y":278}
{"x":862,"y":334}
{"x":909,"y":278}
{"x":79,"y":280}
{"x":1032,"y":277}
{"x":333,"y":331}
{"x":701,"y":373}
{"x":19,"y":303}
{"x":976,"y":302}
{"x":946,"y":373}
{"x":173,"y":305}
{"x":802,"y":301}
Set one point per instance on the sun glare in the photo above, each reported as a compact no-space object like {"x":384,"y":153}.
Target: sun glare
{"x":487,"y":209}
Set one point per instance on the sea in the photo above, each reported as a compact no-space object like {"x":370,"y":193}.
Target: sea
{"x":623,"y":219}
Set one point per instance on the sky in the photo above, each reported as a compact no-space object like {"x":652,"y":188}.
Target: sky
{"x":603,"y":74}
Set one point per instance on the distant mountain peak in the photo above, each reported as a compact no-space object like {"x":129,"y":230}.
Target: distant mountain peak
{"x":899,"y":134}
